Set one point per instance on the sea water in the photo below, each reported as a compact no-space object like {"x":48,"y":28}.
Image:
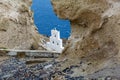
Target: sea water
{"x":45,"y":19}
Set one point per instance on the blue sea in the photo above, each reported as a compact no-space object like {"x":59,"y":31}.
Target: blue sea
{"x":45,"y":19}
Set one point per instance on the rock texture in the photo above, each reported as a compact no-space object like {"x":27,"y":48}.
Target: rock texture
{"x":95,"y":39}
{"x":17,"y":30}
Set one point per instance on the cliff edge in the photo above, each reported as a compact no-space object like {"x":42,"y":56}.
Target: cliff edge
{"x":94,"y":43}
{"x":17,"y":30}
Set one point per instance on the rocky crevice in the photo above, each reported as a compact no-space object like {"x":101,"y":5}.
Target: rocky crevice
{"x":17,"y":30}
{"x":95,"y":32}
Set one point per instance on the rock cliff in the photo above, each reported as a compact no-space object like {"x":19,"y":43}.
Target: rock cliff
{"x":17,"y":30}
{"x":95,"y":39}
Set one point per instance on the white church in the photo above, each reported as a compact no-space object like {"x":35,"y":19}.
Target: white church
{"x":55,"y":43}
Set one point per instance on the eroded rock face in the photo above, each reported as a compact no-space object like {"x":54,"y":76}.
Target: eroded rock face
{"x":17,"y":30}
{"x":95,"y":37}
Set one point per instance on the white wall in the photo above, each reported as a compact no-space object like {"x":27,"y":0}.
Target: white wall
{"x":55,"y":41}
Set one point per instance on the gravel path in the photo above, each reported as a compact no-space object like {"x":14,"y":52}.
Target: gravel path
{"x":15,"y":69}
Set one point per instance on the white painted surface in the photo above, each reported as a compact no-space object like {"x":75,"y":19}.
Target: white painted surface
{"x":55,"y":43}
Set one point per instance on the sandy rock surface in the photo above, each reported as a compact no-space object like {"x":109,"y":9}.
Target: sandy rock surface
{"x":17,"y":30}
{"x":95,"y":37}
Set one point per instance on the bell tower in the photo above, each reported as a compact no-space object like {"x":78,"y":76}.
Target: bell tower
{"x":55,"y":41}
